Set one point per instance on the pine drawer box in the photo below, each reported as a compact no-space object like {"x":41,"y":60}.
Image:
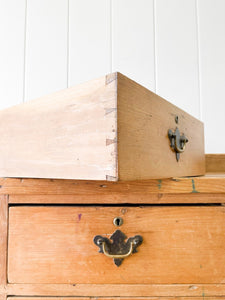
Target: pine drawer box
{"x":50,"y":228}
{"x":109,"y":129}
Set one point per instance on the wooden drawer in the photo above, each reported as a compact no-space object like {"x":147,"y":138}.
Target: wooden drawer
{"x":109,"y":129}
{"x":54,"y":244}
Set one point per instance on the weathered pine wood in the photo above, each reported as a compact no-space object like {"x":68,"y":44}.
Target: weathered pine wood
{"x":3,"y":296}
{"x":55,"y":245}
{"x":123,"y":298}
{"x":109,"y":129}
{"x":3,"y":238}
{"x":112,"y":290}
{"x":143,"y":120}
{"x":119,"y":198}
{"x":68,"y":134}
{"x":116,"y":191}
{"x":215,"y":162}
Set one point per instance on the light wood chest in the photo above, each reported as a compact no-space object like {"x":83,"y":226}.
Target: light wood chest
{"x":115,"y":231}
{"x":47,"y":229}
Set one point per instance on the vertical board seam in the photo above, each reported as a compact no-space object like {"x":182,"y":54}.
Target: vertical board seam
{"x":154,"y":48}
{"x":68,"y":43}
{"x":198,"y":60}
{"x":24,"y":50}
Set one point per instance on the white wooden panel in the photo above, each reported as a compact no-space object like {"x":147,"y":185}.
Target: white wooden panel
{"x":46,"y":47}
{"x":133,"y":40}
{"x":212,"y":71}
{"x":12,"y":29}
{"x":177,"y":53}
{"x":89,"y":40}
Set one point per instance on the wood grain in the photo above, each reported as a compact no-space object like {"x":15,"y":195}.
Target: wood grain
{"x":3,"y":238}
{"x":109,"y":129}
{"x":63,"y":135}
{"x":118,"y":290}
{"x":143,"y":145}
{"x":119,"y":198}
{"x":3,"y":296}
{"x":215,"y":162}
{"x":196,"y":187}
{"x":122,"y":298}
{"x":55,"y":245}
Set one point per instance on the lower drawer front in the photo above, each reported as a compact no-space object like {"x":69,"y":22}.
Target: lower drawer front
{"x":54,"y":244}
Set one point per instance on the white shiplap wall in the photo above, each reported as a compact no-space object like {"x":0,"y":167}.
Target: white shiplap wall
{"x":12,"y":51}
{"x":45,"y":47}
{"x":173,"y":47}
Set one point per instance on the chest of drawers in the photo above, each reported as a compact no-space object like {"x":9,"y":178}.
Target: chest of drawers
{"x":48,"y":227}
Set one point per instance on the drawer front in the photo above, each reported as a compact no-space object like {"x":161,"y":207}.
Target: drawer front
{"x":54,"y":244}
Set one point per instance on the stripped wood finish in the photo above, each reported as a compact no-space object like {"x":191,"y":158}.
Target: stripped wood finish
{"x":196,"y":225}
{"x":55,"y":244}
{"x":63,"y":135}
{"x":109,"y":129}
{"x":119,"y":198}
{"x":215,"y":163}
{"x":143,"y":120}
{"x":122,"y":298}
{"x":3,"y":238}
{"x":118,"y":290}
{"x":3,"y":296}
{"x":209,"y":184}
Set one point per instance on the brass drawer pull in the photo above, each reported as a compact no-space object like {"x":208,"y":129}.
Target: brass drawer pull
{"x":116,"y":255}
{"x":118,"y":250}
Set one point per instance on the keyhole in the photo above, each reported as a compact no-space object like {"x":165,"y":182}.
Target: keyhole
{"x":118,"y":221}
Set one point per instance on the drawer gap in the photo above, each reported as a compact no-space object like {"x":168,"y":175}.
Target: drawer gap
{"x":119,"y":204}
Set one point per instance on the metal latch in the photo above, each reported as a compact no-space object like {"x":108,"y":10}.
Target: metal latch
{"x":177,"y":141}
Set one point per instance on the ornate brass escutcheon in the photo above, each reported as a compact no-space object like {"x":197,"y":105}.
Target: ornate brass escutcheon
{"x":177,"y":142}
{"x":118,"y":249}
